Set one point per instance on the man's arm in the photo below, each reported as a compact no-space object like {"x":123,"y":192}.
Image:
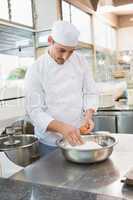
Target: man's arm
{"x":87,"y":125}
{"x":90,"y":97}
{"x":36,"y":106}
{"x":70,"y":133}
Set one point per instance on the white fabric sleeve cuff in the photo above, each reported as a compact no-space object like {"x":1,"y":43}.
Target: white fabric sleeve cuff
{"x":41,"y":120}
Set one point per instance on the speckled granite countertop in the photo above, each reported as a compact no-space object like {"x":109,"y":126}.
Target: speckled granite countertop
{"x":101,"y":180}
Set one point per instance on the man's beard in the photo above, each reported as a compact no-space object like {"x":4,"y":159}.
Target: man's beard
{"x":60,"y":61}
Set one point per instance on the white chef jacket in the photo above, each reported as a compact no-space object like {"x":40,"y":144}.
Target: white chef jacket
{"x":60,"y":92}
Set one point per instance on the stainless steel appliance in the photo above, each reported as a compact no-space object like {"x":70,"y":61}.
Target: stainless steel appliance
{"x":114,"y":121}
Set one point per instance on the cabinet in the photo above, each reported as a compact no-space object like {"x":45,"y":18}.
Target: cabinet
{"x":105,"y":123}
{"x":115,"y":122}
{"x":125,"y":123}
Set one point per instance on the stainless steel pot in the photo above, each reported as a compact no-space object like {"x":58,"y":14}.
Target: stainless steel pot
{"x":107,"y":143}
{"x":21,"y":149}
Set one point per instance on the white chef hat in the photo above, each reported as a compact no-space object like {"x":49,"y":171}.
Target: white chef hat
{"x":65,"y":33}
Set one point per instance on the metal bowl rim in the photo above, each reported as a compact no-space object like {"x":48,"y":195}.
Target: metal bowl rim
{"x":58,"y":142}
{"x":20,"y":147}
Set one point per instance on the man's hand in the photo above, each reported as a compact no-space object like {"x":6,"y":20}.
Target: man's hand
{"x":88,"y":124}
{"x":70,"y":133}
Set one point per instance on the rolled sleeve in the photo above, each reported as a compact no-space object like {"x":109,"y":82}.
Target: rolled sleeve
{"x":40,"y":119}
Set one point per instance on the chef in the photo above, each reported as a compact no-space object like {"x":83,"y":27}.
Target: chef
{"x":60,"y":90}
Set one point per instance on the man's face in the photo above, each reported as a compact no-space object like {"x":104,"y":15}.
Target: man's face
{"x":61,"y":53}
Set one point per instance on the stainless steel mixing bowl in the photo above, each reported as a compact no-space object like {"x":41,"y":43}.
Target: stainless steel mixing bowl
{"x":107,"y":143}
